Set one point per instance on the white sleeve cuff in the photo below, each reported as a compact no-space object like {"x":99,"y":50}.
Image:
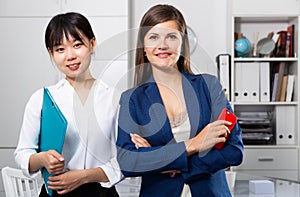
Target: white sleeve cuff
{"x":113,"y":173}
{"x":25,"y":165}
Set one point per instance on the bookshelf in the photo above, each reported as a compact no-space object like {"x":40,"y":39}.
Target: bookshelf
{"x":270,"y":127}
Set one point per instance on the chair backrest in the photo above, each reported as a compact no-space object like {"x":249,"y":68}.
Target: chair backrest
{"x":18,"y":185}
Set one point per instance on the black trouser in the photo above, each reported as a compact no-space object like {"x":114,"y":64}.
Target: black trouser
{"x":86,"y":190}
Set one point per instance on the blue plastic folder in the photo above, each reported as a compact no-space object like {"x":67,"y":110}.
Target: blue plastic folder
{"x":52,"y":130}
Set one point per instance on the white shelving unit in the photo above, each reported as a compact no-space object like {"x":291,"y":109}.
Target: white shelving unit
{"x":280,"y":158}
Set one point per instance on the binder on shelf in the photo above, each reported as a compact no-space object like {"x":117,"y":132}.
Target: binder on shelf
{"x":247,"y":82}
{"x":52,"y":130}
{"x":274,"y":87}
{"x":264,"y":74}
{"x":237,"y":85}
{"x":290,"y":88}
{"x":285,"y":124}
{"x":224,"y":68}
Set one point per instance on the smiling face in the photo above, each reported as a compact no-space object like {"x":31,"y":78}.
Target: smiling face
{"x":73,"y":57}
{"x":162,"y":44}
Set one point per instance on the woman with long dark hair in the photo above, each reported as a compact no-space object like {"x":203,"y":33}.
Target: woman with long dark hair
{"x":167,"y":125}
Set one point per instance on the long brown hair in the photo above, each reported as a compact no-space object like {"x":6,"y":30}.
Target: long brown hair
{"x":155,"y":15}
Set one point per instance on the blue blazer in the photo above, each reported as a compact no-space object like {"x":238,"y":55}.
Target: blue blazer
{"x":142,"y":112}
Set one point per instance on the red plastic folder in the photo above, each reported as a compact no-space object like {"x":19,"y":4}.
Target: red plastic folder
{"x":227,"y":115}
{"x":52,"y":130}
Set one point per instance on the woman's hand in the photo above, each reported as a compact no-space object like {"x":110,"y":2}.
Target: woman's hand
{"x":51,"y":160}
{"x":139,"y":141}
{"x":67,"y":181}
{"x":212,"y":134}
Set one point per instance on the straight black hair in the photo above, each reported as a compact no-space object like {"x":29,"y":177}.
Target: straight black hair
{"x":65,"y":25}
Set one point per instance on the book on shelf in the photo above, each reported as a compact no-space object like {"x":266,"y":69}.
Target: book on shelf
{"x":279,"y":80}
{"x":291,"y":31}
{"x":283,"y":88}
{"x":280,"y":46}
{"x":290,"y":88}
{"x":288,"y":44}
{"x":284,"y":42}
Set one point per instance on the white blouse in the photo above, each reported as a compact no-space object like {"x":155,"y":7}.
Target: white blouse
{"x":181,"y":130}
{"x":181,"y":127}
{"x":91,"y":132}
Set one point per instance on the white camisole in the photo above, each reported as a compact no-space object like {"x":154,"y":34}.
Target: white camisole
{"x":181,"y":129}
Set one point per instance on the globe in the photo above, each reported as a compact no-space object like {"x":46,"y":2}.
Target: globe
{"x":243,"y":47}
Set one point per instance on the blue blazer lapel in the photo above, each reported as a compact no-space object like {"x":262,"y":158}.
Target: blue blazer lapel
{"x":193,"y":92}
{"x":194,"y":109}
{"x":157,"y":111}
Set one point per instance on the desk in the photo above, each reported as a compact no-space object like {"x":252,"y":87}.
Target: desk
{"x":283,"y":188}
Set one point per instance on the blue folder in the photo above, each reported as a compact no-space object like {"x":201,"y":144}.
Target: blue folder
{"x":52,"y":130}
